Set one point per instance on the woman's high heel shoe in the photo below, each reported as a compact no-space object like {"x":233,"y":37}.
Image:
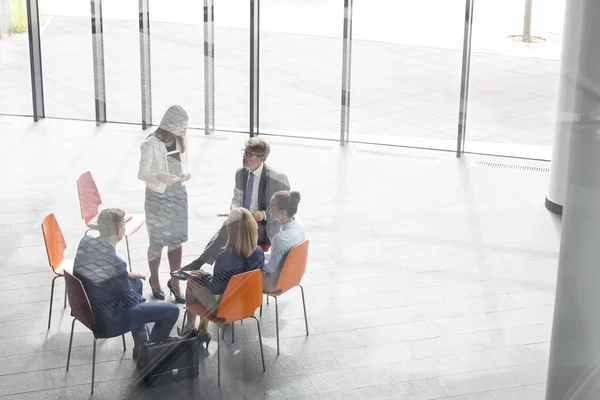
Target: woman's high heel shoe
{"x":204,"y":338}
{"x":160,"y":295}
{"x":178,"y":299}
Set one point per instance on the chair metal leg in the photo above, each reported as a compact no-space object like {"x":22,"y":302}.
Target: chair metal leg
{"x":233,"y":332}
{"x":93,"y":365}
{"x":223,"y":332}
{"x":277,"y":323}
{"x":304,"y":306}
{"x":51,"y":300}
{"x":65,"y":302}
{"x":262,"y":356}
{"x":267,"y":299}
{"x":219,"y":356}
{"x":70,"y":343}
{"x":260,"y":310}
{"x":128,"y":253}
{"x":124,"y":346}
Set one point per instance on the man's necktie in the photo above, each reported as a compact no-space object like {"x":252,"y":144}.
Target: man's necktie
{"x":248,"y":195}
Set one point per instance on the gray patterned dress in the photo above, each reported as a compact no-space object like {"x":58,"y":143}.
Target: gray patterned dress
{"x":167,"y":213}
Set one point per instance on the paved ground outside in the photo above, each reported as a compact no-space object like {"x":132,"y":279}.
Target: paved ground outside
{"x":405,"y":69}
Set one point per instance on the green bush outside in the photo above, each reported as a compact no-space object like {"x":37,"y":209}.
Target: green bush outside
{"x":18,"y":16}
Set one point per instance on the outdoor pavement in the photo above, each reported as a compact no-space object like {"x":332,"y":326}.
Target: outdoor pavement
{"x":401,"y":93}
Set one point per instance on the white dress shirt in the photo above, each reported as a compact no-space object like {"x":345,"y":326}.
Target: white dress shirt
{"x":290,"y":235}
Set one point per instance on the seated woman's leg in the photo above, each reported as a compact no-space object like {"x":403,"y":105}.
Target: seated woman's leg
{"x":199,"y":294}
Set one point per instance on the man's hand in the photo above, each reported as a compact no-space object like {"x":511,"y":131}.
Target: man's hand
{"x":259,"y":216}
{"x":167,"y":179}
{"x":136,"y":275}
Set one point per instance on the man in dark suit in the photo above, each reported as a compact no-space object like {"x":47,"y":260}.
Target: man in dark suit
{"x":114,"y":294}
{"x":255,"y":184}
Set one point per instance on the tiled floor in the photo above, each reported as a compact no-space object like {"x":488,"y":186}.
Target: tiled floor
{"x":401,"y":93}
{"x":428,"y":277}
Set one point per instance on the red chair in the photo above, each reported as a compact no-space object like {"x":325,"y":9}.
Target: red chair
{"x":81,"y":310}
{"x":90,"y":201}
{"x":55,"y":249}
{"x":242,"y":297}
{"x":291,"y":274}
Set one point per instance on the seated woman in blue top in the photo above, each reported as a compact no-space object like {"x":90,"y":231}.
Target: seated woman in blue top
{"x":240,"y":254}
{"x":283,"y":207}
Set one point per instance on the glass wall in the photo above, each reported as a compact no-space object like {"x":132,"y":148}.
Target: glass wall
{"x":15,"y":80}
{"x":177,"y":56}
{"x":406,"y":64}
{"x":66,"y":39}
{"x":232,"y":65}
{"x":514,"y":84}
{"x":122,"y":60}
{"x":300,"y":66}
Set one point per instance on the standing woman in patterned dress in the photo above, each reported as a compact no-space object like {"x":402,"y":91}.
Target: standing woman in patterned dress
{"x":163,"y":168}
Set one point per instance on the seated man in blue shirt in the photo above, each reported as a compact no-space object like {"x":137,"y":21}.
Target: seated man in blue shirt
{"x":114,"y":294}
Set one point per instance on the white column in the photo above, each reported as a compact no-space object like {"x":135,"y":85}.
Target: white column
{"x":571,"y":45}
{"x":574,"y":370}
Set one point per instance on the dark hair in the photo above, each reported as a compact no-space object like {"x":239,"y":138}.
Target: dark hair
{"x":287,"y":201}
{"x":258,"y":146}
{"x":109,"y":221}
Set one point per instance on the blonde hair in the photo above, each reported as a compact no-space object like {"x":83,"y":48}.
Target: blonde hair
{"x":242,"y":232}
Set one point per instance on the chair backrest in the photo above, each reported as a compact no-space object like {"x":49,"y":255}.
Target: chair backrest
{"x":78,"y":300}
{"x":242,"y":296}
{"x":54,"y":240}
{"x":294,"y":267}
{"x":89,"y":197}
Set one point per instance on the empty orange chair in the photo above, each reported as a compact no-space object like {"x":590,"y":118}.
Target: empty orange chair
{"x":55,"y":248}
{"x":242,"y":297}
{"x":89,"y":203}
{"x":81,"y":310}
{"x":291,"y":274}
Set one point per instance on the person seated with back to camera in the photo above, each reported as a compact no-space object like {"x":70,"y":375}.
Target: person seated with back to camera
{"x":114,"y":293}
{"x":283,"y":207}
{"x":240,"y":254}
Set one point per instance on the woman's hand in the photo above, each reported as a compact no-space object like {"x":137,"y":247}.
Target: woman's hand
{"x":184,"y":177}
{"x":197,"y":273}
{"x":167,"y":179}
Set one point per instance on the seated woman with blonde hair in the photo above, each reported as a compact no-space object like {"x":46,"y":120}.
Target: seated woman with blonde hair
{"x":240,"y":254}
{"x":283,"y":207}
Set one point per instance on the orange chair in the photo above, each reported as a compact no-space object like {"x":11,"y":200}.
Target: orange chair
{"x":90,"y":201}
{"x":55,"y":248}
{"x":291,"y":274}
{"x":242,"y":297}
{"x":81,"y":310}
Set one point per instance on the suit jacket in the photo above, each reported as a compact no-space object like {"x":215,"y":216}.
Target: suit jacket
{"x":153,"y":160}
{"x":271,"y":181}
{"x":104,"y":277}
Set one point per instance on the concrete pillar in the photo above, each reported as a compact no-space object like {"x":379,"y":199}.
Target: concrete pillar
{"x":4,"y":18}
{"x":574,"y":370}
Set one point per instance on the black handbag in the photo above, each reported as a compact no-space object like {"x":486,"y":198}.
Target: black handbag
{"x":171,"y":360}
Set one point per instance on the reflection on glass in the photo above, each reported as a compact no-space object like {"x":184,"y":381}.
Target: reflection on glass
{"x":301,"y":70}
{"x":15,"y":80}
{"x":66,"y":39}
{"x":122,"y":60}
{"x":177,"y":49}
{"x":232,"y":70}
{"x":406,"y":64}
{"x":514,"y":84}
